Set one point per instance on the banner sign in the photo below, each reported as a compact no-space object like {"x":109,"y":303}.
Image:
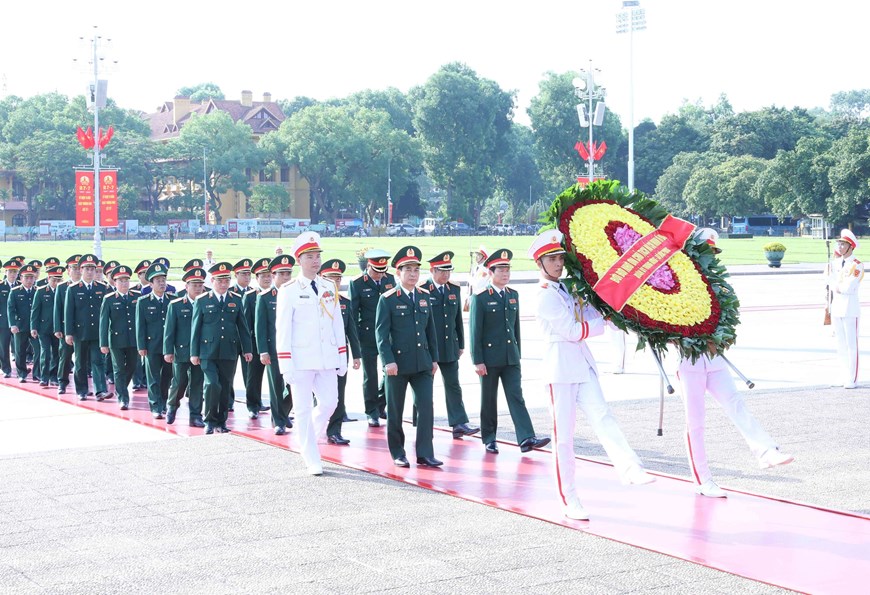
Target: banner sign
{"x":109,"y":198}
{"x":84,"y":198}
{"x":641,"y":260}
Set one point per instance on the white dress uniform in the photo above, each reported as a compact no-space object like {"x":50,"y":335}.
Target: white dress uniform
{"x":845,"y":275}
{"x":311,"y":352}
{"x":712,"y":375}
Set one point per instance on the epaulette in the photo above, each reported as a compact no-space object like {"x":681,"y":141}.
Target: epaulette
{"x":108,"y":295}
{"x":14,"y":287}
{"x":254,"y":290}
{"x":424,"y":290}
{"x":269,"y":290}
{"x":390,"y":292}
{"x":231,"y":292}
{"x":202,"y":295}
{"x":62,"y":282}
{"x":453,"y":284}
{"x":286,"y":283}
{"x":362,"y":276}
{"x":79,"y":284}
{"x":181,"y":299}
{"x":857,"y":261}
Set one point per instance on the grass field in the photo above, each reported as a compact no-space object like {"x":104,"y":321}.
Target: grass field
{"x":130,"y":252}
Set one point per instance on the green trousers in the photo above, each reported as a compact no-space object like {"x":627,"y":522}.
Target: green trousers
{"x":511,"y":381}
{"x":396,"y":386}
{"x":124,"y":364}
{"x":186,"y":379}
{"x":217,"y":391}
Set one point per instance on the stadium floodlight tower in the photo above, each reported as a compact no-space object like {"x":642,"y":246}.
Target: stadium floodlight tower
{"x":630,"y":19}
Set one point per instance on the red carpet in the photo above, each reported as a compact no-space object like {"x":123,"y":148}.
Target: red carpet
{"x":790,"y":545}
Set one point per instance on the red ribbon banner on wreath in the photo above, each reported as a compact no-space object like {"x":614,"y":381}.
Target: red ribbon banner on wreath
{"x":641,"y":260}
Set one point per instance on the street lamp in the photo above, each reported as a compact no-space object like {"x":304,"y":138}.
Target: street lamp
{"x":630,"y":19}
{"x":587,"y":89}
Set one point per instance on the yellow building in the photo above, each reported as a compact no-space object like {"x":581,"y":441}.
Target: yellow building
{"x":12,"y":212}
{"x":263,"y":117}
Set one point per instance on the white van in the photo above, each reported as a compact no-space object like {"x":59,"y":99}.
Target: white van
{"x":429,"y":225}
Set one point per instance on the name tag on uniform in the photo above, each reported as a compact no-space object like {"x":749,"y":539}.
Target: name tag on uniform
{"x":401,"y":307}
{"x":492,"y":303}
{"x":303,"y":296}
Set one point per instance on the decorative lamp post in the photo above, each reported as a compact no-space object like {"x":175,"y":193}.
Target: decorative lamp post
{"x":630,"y":19}
{"x":589,"y":90}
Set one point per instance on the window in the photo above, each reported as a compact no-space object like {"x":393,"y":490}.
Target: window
{"x":285,"y":174}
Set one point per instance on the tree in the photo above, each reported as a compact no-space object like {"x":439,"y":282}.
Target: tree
{"x":727,"y":188}
{"x":517,"y":175}
{"x":462,"y":121}
{"x":45,"y":161}
{"x":229,"y":150}
{"x":761,"y":133}
{"x":684,"y":132}
{"x":796,"y":182}
{"x":851,"y":105}
{"x":390,"y":100}
{"x":270,"y":198}
{"x":849,"y":176}
{"x":201,"y":92}
{"x":671,"y":186}
{"x":291,"y":106}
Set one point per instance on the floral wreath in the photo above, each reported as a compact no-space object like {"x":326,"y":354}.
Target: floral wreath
{"x":685,"y":302}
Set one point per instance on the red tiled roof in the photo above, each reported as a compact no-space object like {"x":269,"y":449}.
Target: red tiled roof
{"x":262,"y":117}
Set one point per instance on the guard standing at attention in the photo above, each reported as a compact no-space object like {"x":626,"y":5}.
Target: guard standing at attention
{"x":18,"y":310}
{"x":280,"y":393}
{"x":446,"y":301}
{"x":219,"y":334}
{"x":64,"y":352}
{"x":332,"y":270}
{"x":844,"y":278}
{"x":176,"y":350}
{"x":150,"y":323}
{"x":118,"y":332}
{"x":42,"y":327}
{"x":365,"y":290}
{"x":495,"y":352}
{"x":82,"y":329}
{"x":406,"y":343}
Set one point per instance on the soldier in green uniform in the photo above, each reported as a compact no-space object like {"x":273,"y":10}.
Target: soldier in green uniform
{"x":18,"y":311}
{"x":176,"y":349}
{"x":42,"y":326}
{"x":242,"y":273}
{"x":332,"y":270}
{"x":82,"y":329}
{"x":495,"y":352}
{"x":64,"y":352}
{"x":365,"y":290}
{"x":193,"y":263}
{"x":6,"y":286}
{"x":280,"y":394}
{"x":108,"y":269}
{"x":140,"y":288}
{"x":118,"y":332}
{"x":445,"y":299}
{"x":254,"y":382}
{"x":405,"y":332}
{"x":51,"y":261}
{"x":150,"y":323}
{"x":219,"y":334}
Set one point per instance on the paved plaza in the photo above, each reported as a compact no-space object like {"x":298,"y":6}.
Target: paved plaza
{"x":94,"y":504}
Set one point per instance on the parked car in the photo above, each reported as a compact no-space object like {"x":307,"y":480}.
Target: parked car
{"x":457,"y":228}
{"x":401,"y":229}
{"x":356,"y":231}
{"x":502,"y":230}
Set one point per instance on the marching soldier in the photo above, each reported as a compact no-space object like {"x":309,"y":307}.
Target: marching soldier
{"x":242,"y":273}
{"x":495,"y":352}
{"x":170,"y":288}
{"x":82,"y":329}
{"x":42,"y":327}
{"x":51,"y":261}
{"x":118,"y":332}
{"x":310,"y":344}
{"x":99,"y":273}
{"x":446,"y":299}
{"x":108,"y":269}
{"x":280,"y":394}
{"x":254,"y":381}
{"x":408,"y":348}
{"x":64,"y":351}
{"x":176,"y":349}
{"x":332,"y":270}
{"x":18,"y":310}
{"x":6,"y":286}
{"x":139,"y":289}
{"x":365,"y":291}
{"x":150,"y":322}
{"x":194,"y":263}
{"x":219,"y":334}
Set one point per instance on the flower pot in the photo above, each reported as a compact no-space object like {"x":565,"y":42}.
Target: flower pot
{"x":774,"y":259}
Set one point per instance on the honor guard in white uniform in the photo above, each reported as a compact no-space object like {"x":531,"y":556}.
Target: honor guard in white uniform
{"x":572,"y":376}
{"x":311,"y":346}
{"x":711,"y":374}
{"x":844,"y":280}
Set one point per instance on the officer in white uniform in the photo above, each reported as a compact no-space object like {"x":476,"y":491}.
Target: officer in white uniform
{"x":711,"y":374}
{"x":478,"y":279}
{"x":310,"y":346}
{"x":572,"y":377}
{"x":844,"y":279}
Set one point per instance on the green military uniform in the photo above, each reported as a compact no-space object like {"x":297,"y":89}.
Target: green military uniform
{"x":495,"y":341}
{"x":364,"y":294}
{"x":108,"y":269}
{"x":64,"y":351}
{"x":219,"y":334}
{"x":18,"y":311}
{"x":150,"y":324}
{"x":254,"y":378}
{"x":42,"y":321}
{"x":82,"y":321}
{"x":244,"y":265}
{"x":176,"y":340}
{"x":332,"y":269}
{"x":141,"y":288}
{"x":118,"y":333}
{"x":405,"y":333}
{"x":5,"y":334}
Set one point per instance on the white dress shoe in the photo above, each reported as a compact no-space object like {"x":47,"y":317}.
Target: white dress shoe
{"x":772,"y":457}
{"x":711,"y":490}
{"x":576,"y":511}
{"x":315,"y":470}
{"x":850,"y":385}
{"x":637,"y":476}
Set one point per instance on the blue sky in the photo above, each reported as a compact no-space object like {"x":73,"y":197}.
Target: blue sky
{"x":760,"y":53}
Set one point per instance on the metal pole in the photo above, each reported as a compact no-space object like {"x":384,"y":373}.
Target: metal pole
{"x":590,"y":82}
{"x":389,"y":197}
{"x":98,"y":248}
{"x":631,"y":100}
{"x":204,"y":190}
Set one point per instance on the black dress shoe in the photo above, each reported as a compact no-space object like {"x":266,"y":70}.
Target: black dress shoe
{"x":346,"y":419}
{"x":90,"y":394}
{"x":492,"y":447}
{"x":170,"y":415}
{"x":103,"y":396}
{"x":374,"y":422}
{"x":338,"y":440}
{"x":428,"y":462}
{"x":231,"y":409}
{"x":461,"y":430}
{"x":61,"y":390}
{"x":196,"y":422}
{"x":82,"y":397}
{"x":209,"y":429}
{"x":22,"y":380}
{"x":401,"y":462}
{"x":253,"y":414}
{"x":43,"y":383}
{"x":264,"y":408}
{"x":224,"y":429}
{"x":530,"y":443}
{"x":124,"y":406}
{"x":289,"y":422}
{"x":383,"y":414}
{"x":7,"y":374}
{"x":280,"y":430}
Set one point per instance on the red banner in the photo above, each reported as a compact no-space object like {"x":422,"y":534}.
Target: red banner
{"x":641,"y":260}
{"x":84,"y":198}
{"x":109,"y":198}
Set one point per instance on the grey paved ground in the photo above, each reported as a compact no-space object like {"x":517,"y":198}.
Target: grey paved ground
{"x":224,"y":514}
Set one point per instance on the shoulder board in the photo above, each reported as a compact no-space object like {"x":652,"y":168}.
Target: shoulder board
{"x":453,"y":284}
{"x":857,"y":261}
{"x":231,"y":292}
{"x":390,"y":292}
{"x":64,"y":282}
{"x":108,"y":295}
{"x":14,"y":287}
{"x":176,"y":300}
{"x":169,"y":294}
{"x":360,"y":276}
{"x":202,"y":295}
{"x":287,"y":283}
{"x":79,"y":284}
{"x":252,"y":290}
{"x":424,"y":290}
{"x":511,"y":289}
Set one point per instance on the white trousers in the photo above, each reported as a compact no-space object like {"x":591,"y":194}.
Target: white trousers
{"x":846,"y":330}
{"x":564,"y":400}
{"x":311,"y":421}
{"x":720,"y":384}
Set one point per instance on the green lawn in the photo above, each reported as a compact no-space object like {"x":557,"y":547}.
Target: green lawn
{"x":130,"y":252}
